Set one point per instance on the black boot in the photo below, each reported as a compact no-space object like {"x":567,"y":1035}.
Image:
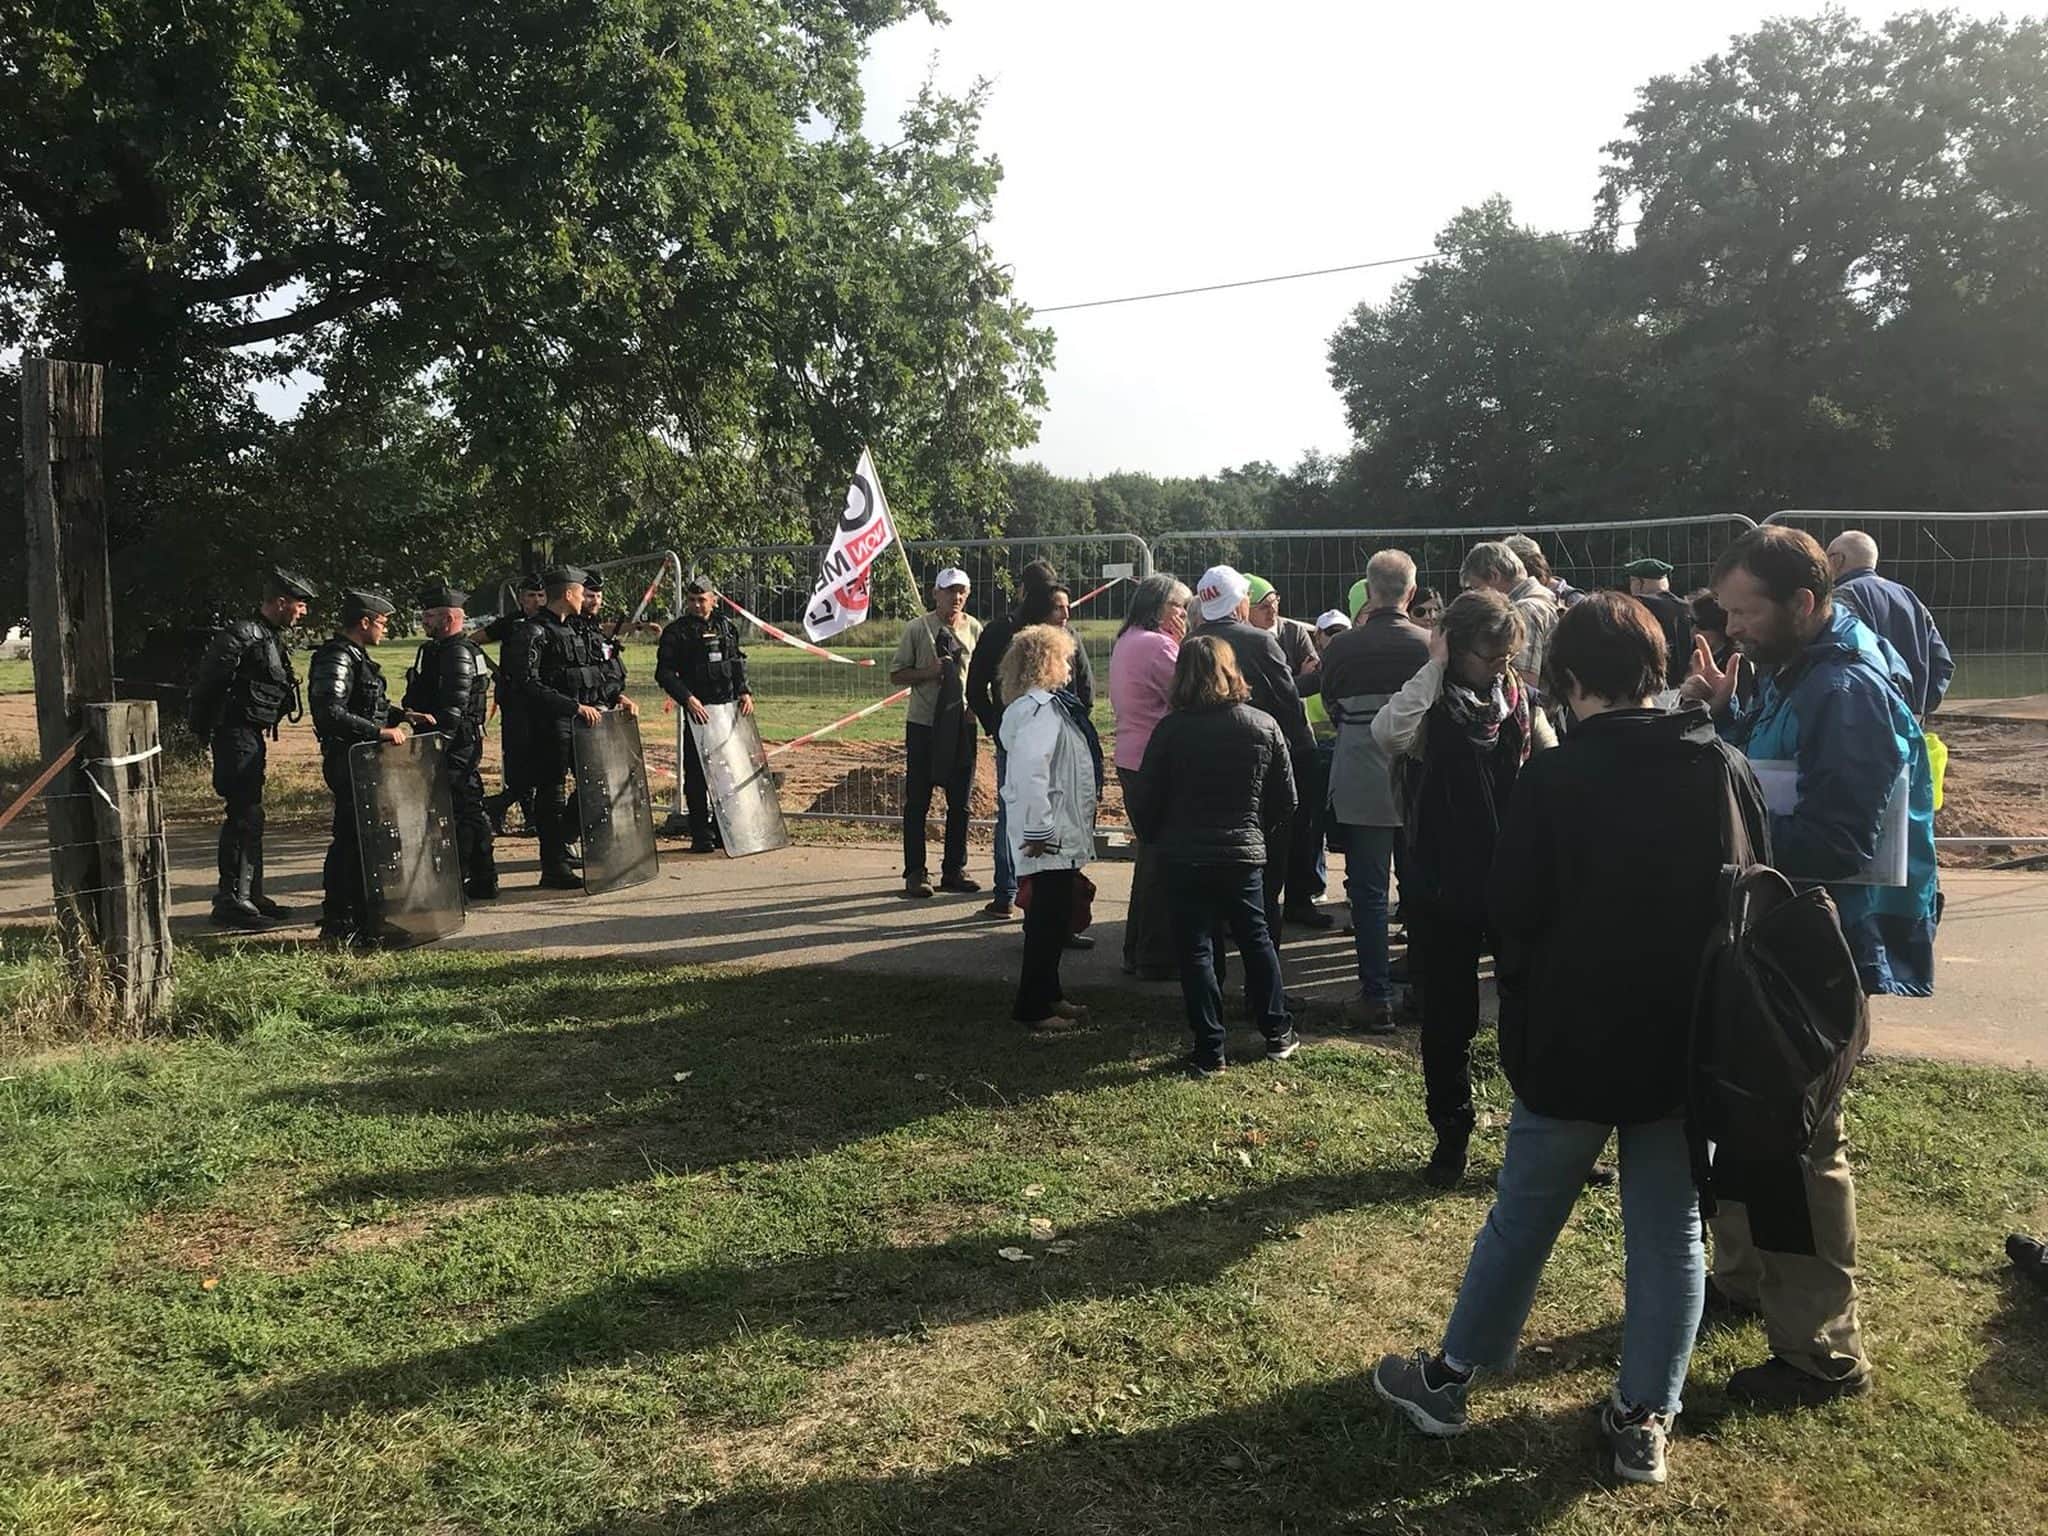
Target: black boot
{"x":275,"y":911}
{"x":232,"y":908}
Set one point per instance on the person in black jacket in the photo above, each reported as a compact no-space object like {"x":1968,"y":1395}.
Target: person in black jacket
{"x":244,"y":686}
{"x":1456,"y":738}
{"x":449,"y":688}
{"x":513,"y":730}
{"x":1604,"y":894}
{"x":611,"y":657}
{"x":1213,"y":797}
{"x":1224,"y":598}
{"x":985,"y":699}
{"x":346,"y":690}
{"x":1649,"y":582}
{"x":700,"y":662}
{"x":555,"y":668}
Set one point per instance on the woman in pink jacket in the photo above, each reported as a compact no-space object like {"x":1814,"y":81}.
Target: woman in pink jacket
{"x":1140,"y":685}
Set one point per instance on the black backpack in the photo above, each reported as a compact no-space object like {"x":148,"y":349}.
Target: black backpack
{"x":1779,"y":1015}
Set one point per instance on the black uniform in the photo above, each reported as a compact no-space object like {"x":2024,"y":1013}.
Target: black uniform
{"x":700,"y":659}
{"x":349,"y":706}
{"x":1674,"y":616}
{"x":450,"y":680}
{"x":552,"y":667}
{"x":245,"y":685}
{"x":514,"y":733}
{"x":611,"y":660}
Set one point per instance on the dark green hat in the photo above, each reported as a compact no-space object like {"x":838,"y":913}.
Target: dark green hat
{"x":283,"y":583}
{"x":593,"y":581}
{"x":361,"y":605}
{"x":533,"y":581}
{"x":438,"y":594}
{"x":1649,"y":565}
{"x":565,"y":576}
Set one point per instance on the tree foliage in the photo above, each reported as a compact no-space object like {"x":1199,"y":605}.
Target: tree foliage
{"x":625,"y":268}
{"x":1834,"y":297}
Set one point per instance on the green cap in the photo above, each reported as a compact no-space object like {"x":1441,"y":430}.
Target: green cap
{"x":1355,"y":598}
{"x":1258,"y":589}
{"x":1649,"y":565}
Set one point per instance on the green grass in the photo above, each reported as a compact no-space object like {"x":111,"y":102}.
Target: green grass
{"x":441,"y":1242}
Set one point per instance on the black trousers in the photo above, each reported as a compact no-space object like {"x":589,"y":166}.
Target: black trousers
{"x":239,"y":756}
{"x":919,"y":780}
{"x":697,"y":792}
{"x":554,"y":812}
{"x":1047,"y":922}
{"x":1305,"y":880}
{"x":1148,"y":929}
{"x":473,"y":845}
{"x":1450,"y":1014}
{"x":347,"y":904}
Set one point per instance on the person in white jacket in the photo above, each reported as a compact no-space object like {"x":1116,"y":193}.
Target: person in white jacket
{"x":1049,"y":792}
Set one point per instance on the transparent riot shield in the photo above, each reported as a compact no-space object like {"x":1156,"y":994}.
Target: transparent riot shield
{"x":742,"y":791}
{"x":612,"y":804}
{"x":405,"y":826}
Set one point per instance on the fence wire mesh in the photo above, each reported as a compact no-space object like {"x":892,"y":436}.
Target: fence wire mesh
{"x":855,"y":772}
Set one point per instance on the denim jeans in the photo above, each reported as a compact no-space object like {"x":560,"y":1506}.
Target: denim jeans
{"x":1199,"y":897}
{"x":1368,"y":859}
{"x":1006,"y":858}
{"x":1540,"y":1180}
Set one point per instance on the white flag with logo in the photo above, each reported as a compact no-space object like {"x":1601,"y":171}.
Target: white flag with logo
{"x":840,"y":600}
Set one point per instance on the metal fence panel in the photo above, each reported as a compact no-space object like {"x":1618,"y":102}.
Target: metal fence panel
{"x":857,"y":773}
{"x":1983,"y":574}
{"x":1313,"y":568}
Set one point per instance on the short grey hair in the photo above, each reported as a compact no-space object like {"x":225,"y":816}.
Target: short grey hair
{"x":1492,"y":561}
{"x":1858,"y":551}
{"x":1389,"y":578}
{"x":1151,"y":598}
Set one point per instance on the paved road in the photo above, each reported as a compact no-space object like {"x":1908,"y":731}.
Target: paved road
{"x":823,"y":905}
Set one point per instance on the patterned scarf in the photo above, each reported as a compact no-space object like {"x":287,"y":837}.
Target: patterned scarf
{"x":1481,"y":715}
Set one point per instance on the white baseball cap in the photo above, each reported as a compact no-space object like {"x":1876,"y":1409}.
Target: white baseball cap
{"x":1332,"y":618}
{"x":1220,"y":590}
{"x":952,"y":576}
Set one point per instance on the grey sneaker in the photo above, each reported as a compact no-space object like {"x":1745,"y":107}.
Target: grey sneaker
{"x":1432,"y":1399}
{"x":1284,"y":1047}
{"x":1637,"y":1437}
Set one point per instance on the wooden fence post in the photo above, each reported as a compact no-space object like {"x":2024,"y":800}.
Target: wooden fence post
{"x":72,"y":643}
{"x":123,"y":758}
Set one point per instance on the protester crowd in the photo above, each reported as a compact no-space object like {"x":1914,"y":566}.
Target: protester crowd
{"x":1550,"y":781}
{"x":1543,"y":780}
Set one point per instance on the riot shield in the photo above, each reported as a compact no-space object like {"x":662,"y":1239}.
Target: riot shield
{"x":405,"y":826}
{"x":612,"y":804}
{"x":736,"y":772}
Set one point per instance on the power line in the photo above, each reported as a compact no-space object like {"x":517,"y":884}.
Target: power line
{"x":1290,"y":277}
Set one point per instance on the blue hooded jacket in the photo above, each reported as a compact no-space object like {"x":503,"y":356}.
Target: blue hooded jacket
{"x":1898,"y":616}
{"x":1839,"y":709}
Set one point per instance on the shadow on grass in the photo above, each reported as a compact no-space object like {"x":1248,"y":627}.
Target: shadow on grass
{"x":876,"y":1292}
{"x":567,"y":1069}
{"x":1320,"y":1458}
{"x":2011,"y":1386}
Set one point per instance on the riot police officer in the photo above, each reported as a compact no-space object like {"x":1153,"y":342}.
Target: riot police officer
{"x":513,"y":729}
{"x":244,"y":686}
{"x":449,"y":686}
{"x":610,"y":654}
{"x":349,"y":706}
{"x":555,"y":669}
{"x":700,"y":662}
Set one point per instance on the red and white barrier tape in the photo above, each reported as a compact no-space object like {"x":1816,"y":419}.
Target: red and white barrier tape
{"x":859,"y":714}
{"x":1077,"y":602}
{"x":788,"y":639}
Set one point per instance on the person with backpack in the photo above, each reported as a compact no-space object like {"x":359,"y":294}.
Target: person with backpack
{"x":1604,"y":893}
{"x":1456,"y":737}
{"x":1833,"y":706}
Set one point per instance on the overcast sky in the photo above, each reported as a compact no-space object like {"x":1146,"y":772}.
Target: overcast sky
{"x":1152,"y":144}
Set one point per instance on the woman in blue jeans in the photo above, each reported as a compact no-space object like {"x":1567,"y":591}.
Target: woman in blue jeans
{"x":1602,"y":897}
{"x":1215,"y":787}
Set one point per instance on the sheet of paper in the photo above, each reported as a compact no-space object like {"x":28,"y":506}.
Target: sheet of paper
{"x":1779,"y":780}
